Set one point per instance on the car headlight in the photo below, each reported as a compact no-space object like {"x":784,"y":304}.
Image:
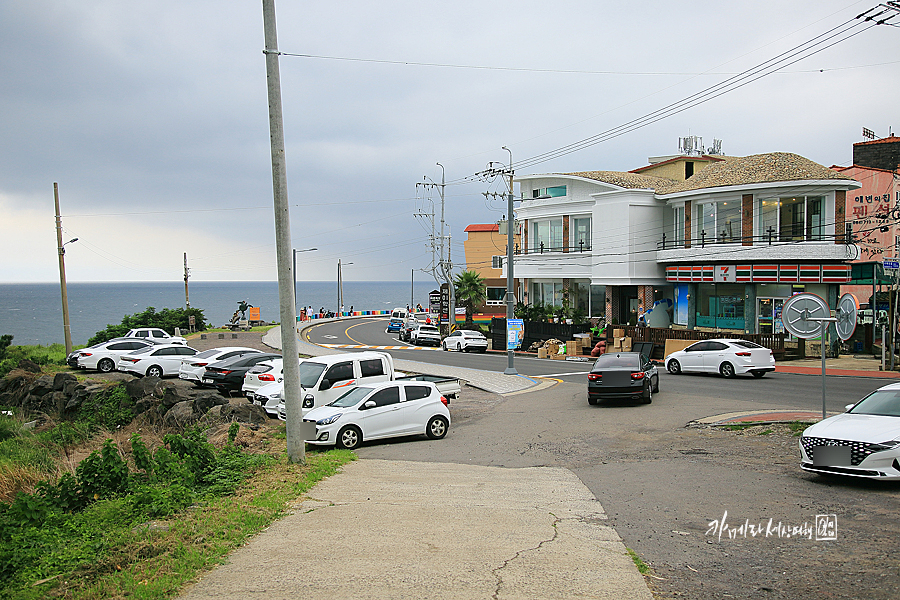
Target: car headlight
{"x":328,"y":420}
{"x":890,"y":445}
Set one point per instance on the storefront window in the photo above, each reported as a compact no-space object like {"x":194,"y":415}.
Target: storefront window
{"x":548,"y":293}
{"x":598,"y":301}
{"x":720,"y":305}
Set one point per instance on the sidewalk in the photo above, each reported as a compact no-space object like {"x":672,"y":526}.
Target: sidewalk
{"x":848,"y":365}
{"x":397,"y":530}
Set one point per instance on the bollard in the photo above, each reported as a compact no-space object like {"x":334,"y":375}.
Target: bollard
{"x":234,"y":336}
{"x":202,"y":336}
{"x":221,"y":336}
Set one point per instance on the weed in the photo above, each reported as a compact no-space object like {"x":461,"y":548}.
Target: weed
{"x":765,"y":432}
{"x":797,"y":427}
{"x":738,"y":426}
{"x":642,"y":567}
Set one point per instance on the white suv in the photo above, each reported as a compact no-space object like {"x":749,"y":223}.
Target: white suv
{"x":465,"y":340}
{"x":425,"y":334}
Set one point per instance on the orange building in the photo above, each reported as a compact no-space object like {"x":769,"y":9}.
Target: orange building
{"x":485,"y":242}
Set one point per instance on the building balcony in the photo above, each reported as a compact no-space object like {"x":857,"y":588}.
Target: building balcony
{"x":821,"y":247}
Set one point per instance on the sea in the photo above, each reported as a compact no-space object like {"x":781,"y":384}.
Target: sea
{"x":32,"y":312}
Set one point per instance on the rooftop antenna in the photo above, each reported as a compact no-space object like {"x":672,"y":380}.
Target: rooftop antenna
{"x":716,"y":148}
{"x":690,"y":145}
{"x":868,"y":133}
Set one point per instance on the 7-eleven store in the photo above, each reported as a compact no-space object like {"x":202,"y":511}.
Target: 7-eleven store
{"x":747,"y":298}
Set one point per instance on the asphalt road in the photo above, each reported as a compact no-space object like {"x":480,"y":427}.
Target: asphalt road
{"x":666,"y":484}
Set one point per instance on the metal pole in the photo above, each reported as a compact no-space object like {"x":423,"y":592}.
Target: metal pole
{"x":510,"y":234}
{"x":187,"y":298}
{"x":67,"y":330}
{"x":294,"y":275}
{"x":824,"y":329}
{"x":296,"y":445}
{"x":338,"y":310}
{"x":412,"y":285}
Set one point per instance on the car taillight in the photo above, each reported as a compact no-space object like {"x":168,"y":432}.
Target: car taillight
{"x":594,"y":376}
{"x":445,"y":401}
{"x":85,"y":354}
{"x":267,"y":377}
{"x":200,"y":364}
{"x":638,"y":375}
{"x":742,"y":354}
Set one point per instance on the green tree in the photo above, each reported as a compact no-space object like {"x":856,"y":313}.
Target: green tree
{"x":471,"y":292}
{"x":167,"y":319}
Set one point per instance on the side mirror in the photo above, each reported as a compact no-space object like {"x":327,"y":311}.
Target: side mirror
{"x":325,"y":385}
{"x":369,"y":404}
{"x":848,"y":407}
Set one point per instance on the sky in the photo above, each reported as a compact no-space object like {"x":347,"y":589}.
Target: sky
{"x":153,"y":119}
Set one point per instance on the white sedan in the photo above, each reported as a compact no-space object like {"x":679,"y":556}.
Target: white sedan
{"x":728,"y":357}
{"x":262,"y":374}
{"x":380,"y":410}
{"x":155,"y":361}
{"x":104,"y":356}
{"x":464,"y":340}
{"x":192,"y":368}
{"x":862,"y":442}
{"x":269,"y":397}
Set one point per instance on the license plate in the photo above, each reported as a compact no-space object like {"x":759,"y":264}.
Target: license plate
{"x":209,"y":381}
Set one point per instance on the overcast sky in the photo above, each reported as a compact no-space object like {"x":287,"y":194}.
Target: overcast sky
{"x":152,"y":117}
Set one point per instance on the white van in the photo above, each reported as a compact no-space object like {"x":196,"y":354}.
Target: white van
{"x":324,"y":379}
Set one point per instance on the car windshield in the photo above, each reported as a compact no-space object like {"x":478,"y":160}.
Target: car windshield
{"x":310,"y":373}
{"x":428,"y":328}
{"x":618,"y":361}
{"x":352,"y":397}
{"x":884,"y":403}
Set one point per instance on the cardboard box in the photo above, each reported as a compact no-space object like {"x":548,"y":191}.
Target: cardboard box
{"x":553,"y":349}
{"x":573,"y":348}
{"x":618,"y":333}
{"x":558,"y":356}
{"x":542,"y":353}
{"x":626,"y":344}
{"x":675,"y":345}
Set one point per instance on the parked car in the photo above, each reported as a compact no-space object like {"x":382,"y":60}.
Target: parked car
{"x":228,"y":375}
{"x":398,"y":319}
{"x":156,"y":360}
{"x":410,"y":324}
{"x":155,"y":334}
{"x":381,"y":410}
{"x":104,"y":356}
{"x":425,"y":335}
{"x":622,"y":375}
{"x":725,"y":356}
{"x":862,"y":442}
{"x":269,"y":397}
{"x":464,"y":340}
{"x":262,"y":374}
{"x":193,"y":368}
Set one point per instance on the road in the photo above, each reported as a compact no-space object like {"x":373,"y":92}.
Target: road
{"x":663,"y":483}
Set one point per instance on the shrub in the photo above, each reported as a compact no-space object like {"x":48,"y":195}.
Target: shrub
{"x":167,"y":319}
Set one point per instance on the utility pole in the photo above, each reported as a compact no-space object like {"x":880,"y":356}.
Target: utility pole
{"x":340,"y":290}
{"x":445,"y":267}
{"x":296,"y":444}
{"x":510,"y":235}
{"x":60,"y":248}
{"x":187,"y":272}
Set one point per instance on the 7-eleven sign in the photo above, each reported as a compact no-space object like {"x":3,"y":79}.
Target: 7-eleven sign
{"x":724,"y":274}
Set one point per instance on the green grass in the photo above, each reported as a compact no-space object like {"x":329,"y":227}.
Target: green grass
{"x":738,"y":426}
{"x":642,"y":567}
{"x":52,"y":357}
{"x":108,"y":551}
{"x":258,"y":328}
{"x":797,"y":427}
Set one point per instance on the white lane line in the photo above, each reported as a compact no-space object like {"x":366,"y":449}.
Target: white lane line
{"x":562,"y":374}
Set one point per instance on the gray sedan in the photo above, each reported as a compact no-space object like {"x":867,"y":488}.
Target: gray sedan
{"x":622,"y":375}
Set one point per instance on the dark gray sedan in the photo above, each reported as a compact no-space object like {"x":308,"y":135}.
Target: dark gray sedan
{"x":622,"y":375}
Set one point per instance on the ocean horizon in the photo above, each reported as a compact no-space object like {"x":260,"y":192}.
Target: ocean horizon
{"x":32,"y":312}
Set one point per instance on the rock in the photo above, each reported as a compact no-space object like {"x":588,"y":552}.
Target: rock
{"x":181,"y":414}
{"x":240,"y":410}
{"x":43,"y":385}
{"x":71,"y":386}
{"x":204,"y":400}
{"x":60,"y":380}
{"x":30,"y":366}
{"x":144,"y":386}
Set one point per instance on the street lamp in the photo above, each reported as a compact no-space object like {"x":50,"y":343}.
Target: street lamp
{"x":340,"y":289}
{"x":294,"y":271}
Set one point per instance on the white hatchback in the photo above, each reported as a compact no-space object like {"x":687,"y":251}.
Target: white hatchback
{"x":728,"y":357}
{"x":192,"y":368}
{"x":381,"y":410}
{"x":464,"y":340}
{"x":155,"y":361}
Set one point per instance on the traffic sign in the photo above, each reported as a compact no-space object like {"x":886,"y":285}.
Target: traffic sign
{"x":891,"y":263}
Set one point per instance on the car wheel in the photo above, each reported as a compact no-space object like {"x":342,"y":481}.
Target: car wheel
{"x":758,"y":374}
{"x":648,"y":396}
{"x":727,"y":370}
{"x":655,"y":383}
{"x":106,"y":366}
{"x":458,"y":347}
{"x":592,"y":401}
{"x":436,"y":428}
{"x":674,"y":367}
{"x":154,"y":371}
{"x":349,"y":437}
{"x":444,"y":346}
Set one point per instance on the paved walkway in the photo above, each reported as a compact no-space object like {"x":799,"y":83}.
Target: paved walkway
{"x":397,"y":530}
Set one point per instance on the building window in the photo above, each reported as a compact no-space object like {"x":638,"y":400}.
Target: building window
{"x":581,"y":240}
{"x":678,"y":224}
{"x":550,"y":192}
{"x":798,"y":218}
{"x":495,"y":295}
{"x":721,"y":221}
{"x":720,"y":306}
{"x":547,"y":293}
{"x":547,"y":235}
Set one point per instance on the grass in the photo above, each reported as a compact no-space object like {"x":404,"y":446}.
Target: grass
{"x":642,"y":567}
{"x":156,"y":559}
{"x":258,"y":328}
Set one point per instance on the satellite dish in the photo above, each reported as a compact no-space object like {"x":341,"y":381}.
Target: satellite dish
{"x":846,"y":316}
{"x":797,"y":312}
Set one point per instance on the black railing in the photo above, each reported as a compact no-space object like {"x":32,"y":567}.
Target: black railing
{"x":541,"y":248}
{"x":784,"y":236}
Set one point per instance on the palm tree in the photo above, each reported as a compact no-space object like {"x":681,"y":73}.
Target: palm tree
{"x":471,"y":292}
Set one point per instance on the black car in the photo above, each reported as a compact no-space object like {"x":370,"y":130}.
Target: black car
{"x":228,"y":375}
{"x":622,"y":375}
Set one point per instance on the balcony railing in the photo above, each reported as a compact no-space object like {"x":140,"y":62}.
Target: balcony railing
{"x":541,"y":248}
{"x":784,"y":236}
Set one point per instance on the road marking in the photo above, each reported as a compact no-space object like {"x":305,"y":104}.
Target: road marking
{"x":564,"y":374}
{"x":377,"y":347}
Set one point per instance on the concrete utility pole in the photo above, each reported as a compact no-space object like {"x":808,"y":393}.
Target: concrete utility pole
{"x":296,"y":444}
{"x":510,"y":293}
{"x":444,"y":266}
{"x":60,"y":248}
{"x":187,"y":272}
